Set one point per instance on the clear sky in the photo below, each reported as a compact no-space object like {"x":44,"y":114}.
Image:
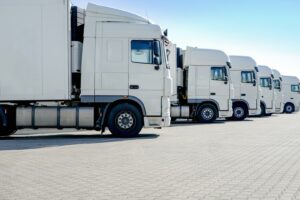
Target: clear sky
{"x":267,"y":30}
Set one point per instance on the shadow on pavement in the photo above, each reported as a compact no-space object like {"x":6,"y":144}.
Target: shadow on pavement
{"x":20,"y":142}
{"x":191,"y":123}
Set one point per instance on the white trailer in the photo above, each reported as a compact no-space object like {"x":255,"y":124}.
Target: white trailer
{"x":204,"y":89}
{"x":267,"y":90}
{"x":278,"y":93}
{"x":291,"y":94}
{"x":65,"y":67}
{"x":244,"y":76}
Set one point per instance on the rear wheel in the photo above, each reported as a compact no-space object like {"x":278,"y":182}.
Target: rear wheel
{"x":206,"y":113}
{"x":9,"y":128}
{"x":263,"y":110}
{"x":125,"y":120}
{"x":239,"y":113}
{"x":289,"y":108}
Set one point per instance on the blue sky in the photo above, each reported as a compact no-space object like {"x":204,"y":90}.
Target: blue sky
{"x":268,"y":30}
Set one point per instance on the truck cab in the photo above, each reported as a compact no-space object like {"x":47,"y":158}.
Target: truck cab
{"x":204,"y":89}
{"x":245,"y":80}
{"x":291,"y":94}
{"x":278,"y":92}
{"x":266,"y":78}
{"x":92,"y":68}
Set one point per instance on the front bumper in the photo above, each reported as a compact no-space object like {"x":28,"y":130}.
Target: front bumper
{"x":225,"y":114}
{"x":255,"y":112}
{"x":157,"y":122}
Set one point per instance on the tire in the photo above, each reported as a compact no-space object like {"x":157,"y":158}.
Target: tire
{"x":206,"y":113}
{"x":8,"y":130}
{"x":289,"y":108}
{"x":263,"y":110}
{"x":125,"y":120}
{"x":239,"y":113}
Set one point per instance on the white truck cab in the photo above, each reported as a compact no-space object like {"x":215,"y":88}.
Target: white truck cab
{"x":204,"y":89}
{"x":278,"y":92}
{"x":244,"y":76}
{"x":66,"y":67}
{"x":267,"y":90}
{"x":291,"y":94}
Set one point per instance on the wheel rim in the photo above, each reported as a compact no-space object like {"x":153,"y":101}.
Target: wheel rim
{"x":239,"y":112}
{"x":125,"y":120}
{"x":289,"y":108}
{"x":207,"y":114}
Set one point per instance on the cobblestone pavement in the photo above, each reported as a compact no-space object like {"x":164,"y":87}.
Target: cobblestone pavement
{"x":254,"y":159}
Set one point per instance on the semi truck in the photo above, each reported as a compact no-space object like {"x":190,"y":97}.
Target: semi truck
{"x":244,"y":76}
{"x":203,"y":84}
{"x":278,"y":93}
{"x":267,"y":90}
{"x":66,"y":67}
{"x":291,"y":94}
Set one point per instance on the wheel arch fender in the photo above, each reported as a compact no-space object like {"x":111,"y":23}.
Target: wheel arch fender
{"x":130,"y":100}
{"x":242,"y":102}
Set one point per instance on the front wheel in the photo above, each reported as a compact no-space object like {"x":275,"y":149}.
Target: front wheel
{"x":239,"y":113}
{"x":289,"y":108}
{"x":125,"y":120}
{"x":206,"y":113}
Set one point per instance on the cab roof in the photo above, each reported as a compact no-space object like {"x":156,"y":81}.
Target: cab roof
{"x":204,"y":57}
{"x":242,"y":63}
{"x":290,"y":80}
{"x":111,"y":14}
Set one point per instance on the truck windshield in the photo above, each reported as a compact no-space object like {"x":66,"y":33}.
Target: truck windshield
{"x":295,"y":88}
{"x":248,"y":77}
{"x":265,"y":82}
{"x":277,"y":84}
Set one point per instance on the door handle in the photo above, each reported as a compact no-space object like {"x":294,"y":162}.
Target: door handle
{"x":292,"y":98}
{"x":134,"y":87}
{"x":243,"y":95}
{"x":156,"y":67}
{"x":213,"y":94}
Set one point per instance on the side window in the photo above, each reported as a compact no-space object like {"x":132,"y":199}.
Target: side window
{"x":265,"y":82}
{"x":295,"y":88}
{"x":219,"y":73}
{"x":277,"y":84}
{"x":144,"y":51}
{"x":248,"y":77}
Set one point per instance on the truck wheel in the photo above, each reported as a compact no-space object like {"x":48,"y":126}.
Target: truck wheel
{"x":125,"y":120}
{"x":206,"y":113}
{"x":289,"y":108}
{"x":239,"y":113}
{"x":263,"y":110}
{"x":6,"y":131}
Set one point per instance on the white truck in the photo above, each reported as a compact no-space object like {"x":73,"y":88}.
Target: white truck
{"x":204,"y":89}
{"x":244,"y":76}
{"x":278,"y":93}
{"x":65,"y":67}
{"x":291,"y":94}
{"x":267,"y":90}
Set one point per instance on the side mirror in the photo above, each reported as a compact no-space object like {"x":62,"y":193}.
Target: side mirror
{"x":156,"y":48}
{"x":226,"y":80}
{"x":156,"y":61}
{"x":254,"y":83}
{"x":270,"y":87}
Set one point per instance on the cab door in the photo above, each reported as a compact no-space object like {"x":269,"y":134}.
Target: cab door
{"x":220,"y":87}
{"x":146,"y":74}
{"x":249,"y":89}
{"x":267,"y":92}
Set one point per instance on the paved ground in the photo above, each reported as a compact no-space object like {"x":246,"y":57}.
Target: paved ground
{"x":255,"y":159}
